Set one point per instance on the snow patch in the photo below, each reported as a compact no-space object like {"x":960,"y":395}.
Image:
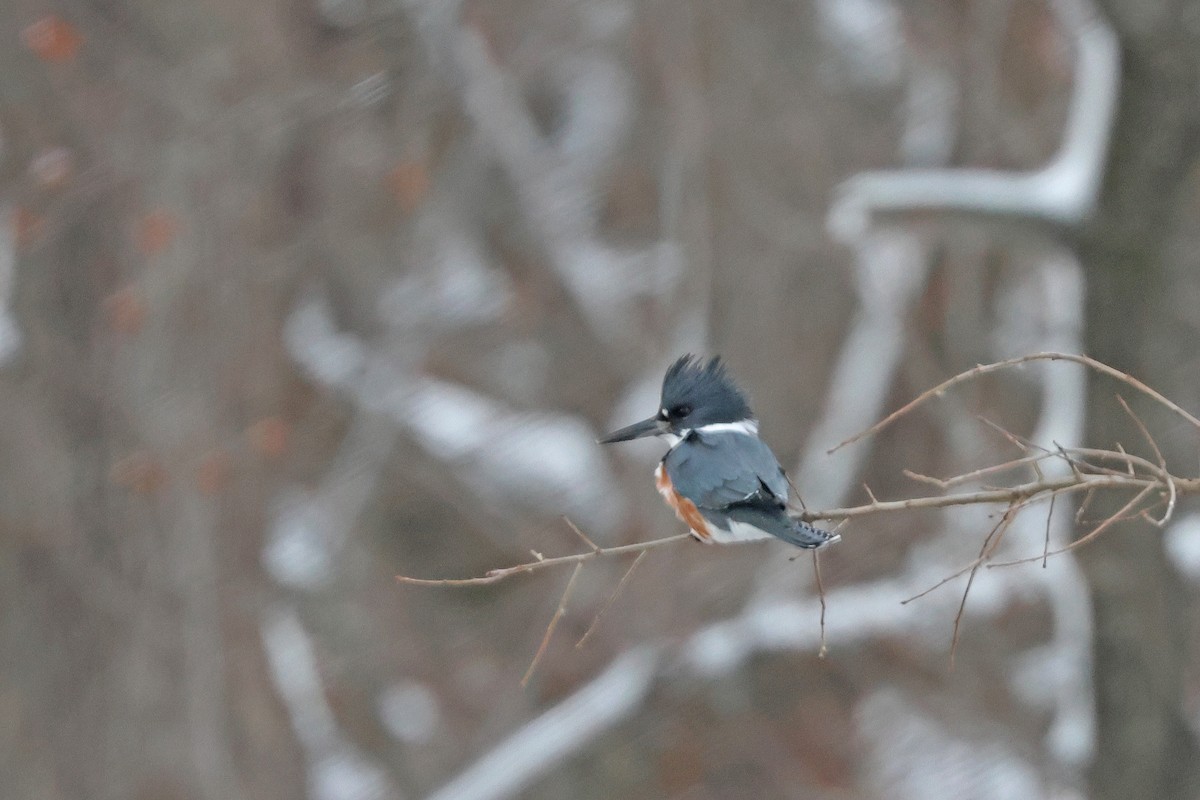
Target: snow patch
{"x":410,"y":712}
{"x":867,"y":36}
{"x":557,"y":733}
{"x":911,"y":755}
{"x":1182,"y":542}
{"x":336,"y":770}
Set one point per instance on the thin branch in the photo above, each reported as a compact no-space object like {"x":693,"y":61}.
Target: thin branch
{"x":1162,"y":463}
{"x":558,"y":614}
{"x":990,"y":543}
{"x":496,"y":575}
{"x":1001,"y":495}
{"x":1127,"y":459}
{"x":1141,"y":426}
{"x":974,"y":564}
{"x":1071,"y":462}
{"x":795,"y":491}
{"x":1087,"y":501}
{"x":967,"y":477}
{"x":595,"y":547}
{"x":1125,"y":509}
{"x":1049,"y":516}
{"x":1103,"y":526}
{"x":611,"y":599}
{"x":1020,"y":442}
{"x":1121,"y":450}
{"x":937,"y":483}
{"x":823,"y":650}
{"x":984,"y":369}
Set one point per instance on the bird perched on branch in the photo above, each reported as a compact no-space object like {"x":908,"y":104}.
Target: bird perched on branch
{"x":718,"y":476}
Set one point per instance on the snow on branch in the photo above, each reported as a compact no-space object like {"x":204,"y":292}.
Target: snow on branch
{"x":1064,"y":191}
{"x":10,"y":334}
{"x":557,"y":733}
{"x":556,"y":175}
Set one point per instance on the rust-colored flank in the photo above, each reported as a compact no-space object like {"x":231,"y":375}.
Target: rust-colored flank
{"x":684,"y":509}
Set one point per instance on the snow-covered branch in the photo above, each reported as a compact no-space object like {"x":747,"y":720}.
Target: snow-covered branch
{"x":1064,"y":191}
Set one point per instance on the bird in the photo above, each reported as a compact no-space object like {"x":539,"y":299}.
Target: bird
{"x":721,"y":480}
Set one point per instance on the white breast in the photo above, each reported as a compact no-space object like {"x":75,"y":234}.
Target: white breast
{"x":738,"y":532}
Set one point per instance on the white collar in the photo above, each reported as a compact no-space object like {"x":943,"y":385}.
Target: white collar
{"x":747,"y":427}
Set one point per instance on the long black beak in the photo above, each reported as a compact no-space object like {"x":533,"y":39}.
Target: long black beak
{"x":647,"y":427}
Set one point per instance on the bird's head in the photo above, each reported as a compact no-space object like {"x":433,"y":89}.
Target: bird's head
{"x":695,"y":394}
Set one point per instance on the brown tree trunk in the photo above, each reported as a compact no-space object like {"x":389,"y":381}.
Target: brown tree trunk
{"x":1135,"y":266}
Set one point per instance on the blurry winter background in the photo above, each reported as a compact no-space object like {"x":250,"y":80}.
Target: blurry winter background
{"x":297,"y":295}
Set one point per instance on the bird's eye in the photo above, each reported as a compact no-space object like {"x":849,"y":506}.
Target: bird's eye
{"x":681,"y":411}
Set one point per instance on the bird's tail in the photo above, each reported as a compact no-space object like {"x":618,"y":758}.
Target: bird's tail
{"x":811,"y":537}
{"x":781,"y":526}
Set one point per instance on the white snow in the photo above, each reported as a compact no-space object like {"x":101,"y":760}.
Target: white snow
{"x":522,"y":757}
{"x":297,"y":551}
{"x":410,"y":711}
{"x":455,"y":287}
{"x":867,"y":36}
{"x":911,"y":756}
{"x":10,"y":333}
{"x":1064,"y":191}
{"x":311,"y":338}
{"x":1182,"y":542}
{"x":548,"y":459}
{"x":336,"y":770}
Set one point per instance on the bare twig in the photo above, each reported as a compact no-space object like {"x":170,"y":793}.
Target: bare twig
{"x":921,"y":478}
{"x":1128,"y":459}
{"x":1071,"y":462}
{"x":582,"y":535}
{"x":1141,"y":426}
{"x":1087,"y":501}
{"x":1137,"y":498}
{"x":1020,"y":442}
{"x":990,"y":543}
{"x":611,"y":599}
{"x":795,"y":491}
{"x":1000,"y":495}
{"x":558,"y":614}
{"x":496,"y":575}
{"x":1162,"y":463}
{"x":823,"y":650}
{"x":973,"y":475}
{"x":1103,"y":526}
{"x":1049,"y":517}
{"x":1121,"y":450}
{"x":980,"y":559}
{"x":984,"y":369}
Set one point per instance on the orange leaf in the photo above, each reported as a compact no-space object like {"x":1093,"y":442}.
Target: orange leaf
{"x":125,"y":310}
{"x":409,"y":182}
{"x":26,"y":226}
{"x":52,"y":39}
{"x":269,"y":436}
{"x":155,"y":232}
{"x":138,"y":471}
{"x":213,"y":473}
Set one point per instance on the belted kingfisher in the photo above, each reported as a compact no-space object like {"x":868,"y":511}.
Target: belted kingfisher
{"x":718,"y":476}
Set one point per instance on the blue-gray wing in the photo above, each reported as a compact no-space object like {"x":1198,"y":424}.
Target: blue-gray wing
{"x":716,"y":470}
